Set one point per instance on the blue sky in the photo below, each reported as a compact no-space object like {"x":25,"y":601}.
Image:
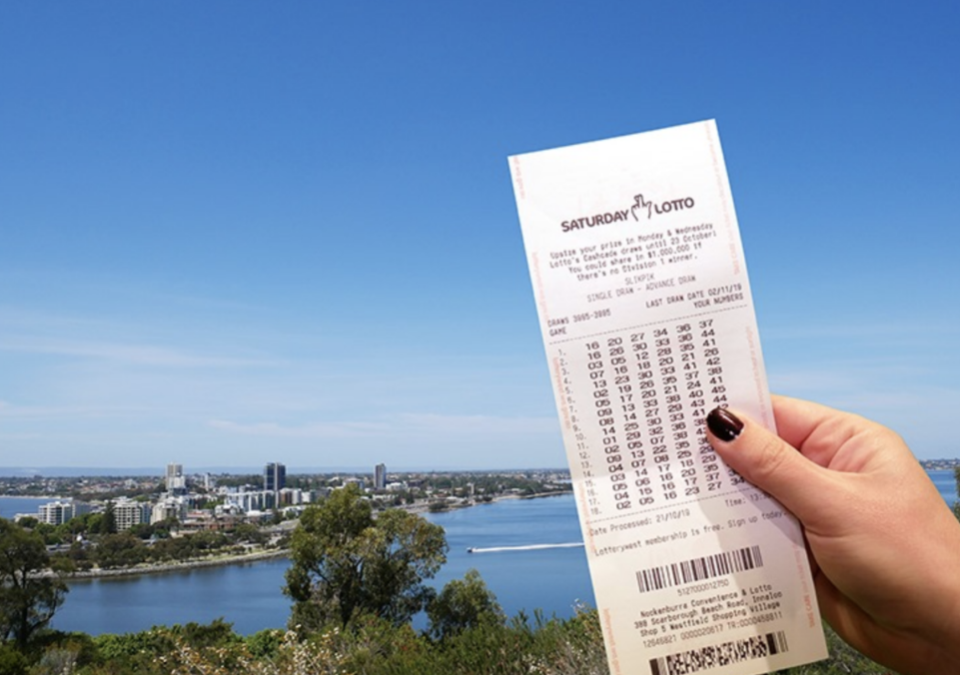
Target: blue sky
{"x":239,"y":232}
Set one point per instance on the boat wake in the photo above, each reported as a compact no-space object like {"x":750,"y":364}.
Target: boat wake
{"x":529,"y":547}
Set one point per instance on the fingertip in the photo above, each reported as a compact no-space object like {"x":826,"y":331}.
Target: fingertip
{"x":724,"y":428}
{"x":723,"y":424}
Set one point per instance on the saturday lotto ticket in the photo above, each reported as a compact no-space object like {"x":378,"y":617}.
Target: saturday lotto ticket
{"x":648,"y":323}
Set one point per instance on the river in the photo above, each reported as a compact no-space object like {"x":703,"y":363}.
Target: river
{"x":249,"y":595}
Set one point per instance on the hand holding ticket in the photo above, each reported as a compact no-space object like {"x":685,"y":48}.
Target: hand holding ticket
{"x":884,"y":540}
{"x":647,"y":319}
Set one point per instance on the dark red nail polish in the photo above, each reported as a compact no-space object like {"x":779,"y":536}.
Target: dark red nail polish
{"x":724,"y":424}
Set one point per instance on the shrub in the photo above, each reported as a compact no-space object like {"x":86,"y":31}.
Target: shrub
{"x":12,"y":662}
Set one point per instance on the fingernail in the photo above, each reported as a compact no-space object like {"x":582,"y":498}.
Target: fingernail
{"x":724,"y":424}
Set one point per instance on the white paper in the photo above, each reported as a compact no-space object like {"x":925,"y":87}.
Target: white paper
{"x":648,"y":323}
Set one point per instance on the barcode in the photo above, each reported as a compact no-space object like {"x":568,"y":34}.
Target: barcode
{"x":720,"y":655}
{"x":698,"y":569}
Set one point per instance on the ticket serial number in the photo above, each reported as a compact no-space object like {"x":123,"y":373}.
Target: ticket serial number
{"x":706,"y":586}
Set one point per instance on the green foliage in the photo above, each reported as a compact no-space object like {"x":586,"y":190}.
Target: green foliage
{"x":373,"y":646}
{"x":85,"y":523}
{"x":178,"y":548}
{"x":572,"y":646}
{"x":162,"y":529}
{"x":127,"y":549}
{"x":119,"y":550}
{"x":94,"y":523}
{"x":12,"y":662}
{"x":27,"y":601}
{"x":345,"y":563}
{"x":142,"y":531}
{"x":149,"y":652}
{"x":843,"y":660}
{"x":209,"y":541}
{"x":108,"y":524}
{"x":215,"y":650}
{"x":265,"y":644}
{"x":77,"y":557}
{"x":58,"y":659}
{"x":518,"y":647}
{"x":250,"y":533}
{"x":488,"y":649}
{"x":52,"y":535}
{"x":463,"y":604}
{"x":76,"y":648}
{"x":130,"y":652}
{"x":217,"y":634}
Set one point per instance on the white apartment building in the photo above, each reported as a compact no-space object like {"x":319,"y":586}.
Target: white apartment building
{"x":249,"y":501}
{"x":127,"y":513}
{"x":59,"y":512}
{"x":169,"y":508}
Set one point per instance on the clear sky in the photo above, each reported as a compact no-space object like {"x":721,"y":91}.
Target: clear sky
{"x":237,"y":232}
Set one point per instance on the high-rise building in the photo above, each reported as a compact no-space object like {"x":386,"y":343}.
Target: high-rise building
{"x":128,"y":513}
{"x":380,"y":477}
{"x":175,"y":481}
{"x":274,"y":477}
{"x":169,"y":508}
{"x":58,"y":512}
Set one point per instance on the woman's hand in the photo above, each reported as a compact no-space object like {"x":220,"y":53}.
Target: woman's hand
{"x":885,"y":547}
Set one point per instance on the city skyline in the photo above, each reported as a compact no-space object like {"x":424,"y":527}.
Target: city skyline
{"x":232,"y":233}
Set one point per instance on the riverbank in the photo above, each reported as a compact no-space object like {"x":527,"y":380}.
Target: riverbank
{"x":179,"y":566}
{"x":424,"y":507}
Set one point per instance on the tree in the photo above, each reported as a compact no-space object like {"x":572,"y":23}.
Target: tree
{"x":462,"y":604}
{"x":250,"y":533}
{"x":346,"y":563}
{"x":141,"y":531}
{"x":27,"y":600}
{"x":119,"y":550}
{"x":109,"y":523}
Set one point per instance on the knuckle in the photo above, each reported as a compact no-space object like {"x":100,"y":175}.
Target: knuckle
{"x":768,"y":459}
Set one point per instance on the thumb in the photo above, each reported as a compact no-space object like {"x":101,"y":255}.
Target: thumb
{"x":767,"y":461}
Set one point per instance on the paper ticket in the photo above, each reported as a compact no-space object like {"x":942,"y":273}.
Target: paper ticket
{"x":648,"y":323}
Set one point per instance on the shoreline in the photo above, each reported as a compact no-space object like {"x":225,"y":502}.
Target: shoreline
{"x":140,"y":570}
{"x":425,"y":507}
{"x":54,"y":497}
{"x":160,"y":568}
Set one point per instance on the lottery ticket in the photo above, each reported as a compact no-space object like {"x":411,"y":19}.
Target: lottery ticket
{"x":648,"y":323}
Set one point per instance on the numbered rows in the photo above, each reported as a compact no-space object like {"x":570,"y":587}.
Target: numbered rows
{"x":640,"y":433}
